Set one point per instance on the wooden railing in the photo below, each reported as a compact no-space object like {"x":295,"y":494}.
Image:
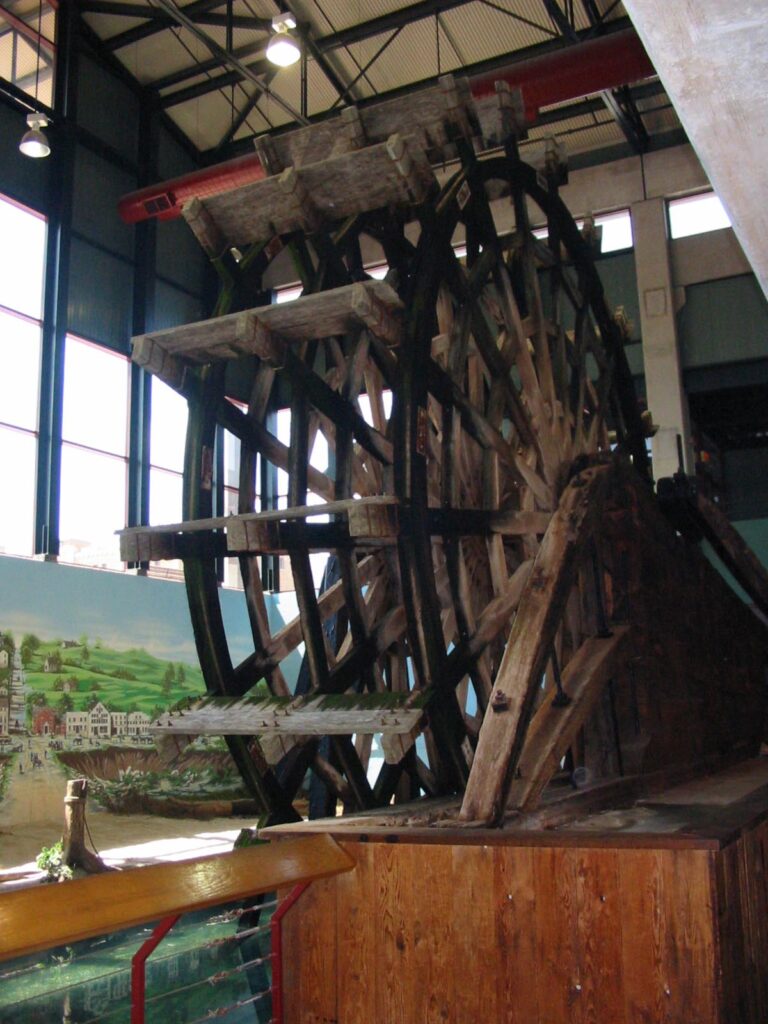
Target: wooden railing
{"x":46,"y":917}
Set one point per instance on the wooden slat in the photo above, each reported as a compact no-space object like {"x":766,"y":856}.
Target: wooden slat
{"x":553,"y":729}
{"x":369,"y":303}
{"x":331,"y":189}
{"x":515,"y":936}
{"x":357,"y":939}
{"x":45,"y":917}
{"x":428,"y":111}
{"x":530,"y":641}
{"x":321,"y":715}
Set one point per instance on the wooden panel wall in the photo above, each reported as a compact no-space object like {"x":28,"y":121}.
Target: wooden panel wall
{"x":514,"y":935}
{"x":742,"y":903}
{"x":692,"y":684}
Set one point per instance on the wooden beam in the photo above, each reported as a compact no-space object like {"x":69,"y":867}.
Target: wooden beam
{"x":316,"y":715}
{"x":553,"y":729}
{"x":541,"y":606}
{"x":44,"y":917}
{"x":734,"y":551}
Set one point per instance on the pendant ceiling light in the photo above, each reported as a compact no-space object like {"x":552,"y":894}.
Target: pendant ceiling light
{"x":283,"y":49}
{"x":34,"y":142}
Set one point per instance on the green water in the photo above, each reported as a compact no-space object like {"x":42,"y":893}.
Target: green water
{"x":205,"y":963}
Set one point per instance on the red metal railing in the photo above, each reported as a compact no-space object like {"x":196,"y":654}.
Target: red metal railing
{"x":276,"y":988}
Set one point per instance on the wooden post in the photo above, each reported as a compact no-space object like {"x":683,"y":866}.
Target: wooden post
{"x":74,"y":853}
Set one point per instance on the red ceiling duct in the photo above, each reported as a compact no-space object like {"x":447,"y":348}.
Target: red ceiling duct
{"x":567,"y":74}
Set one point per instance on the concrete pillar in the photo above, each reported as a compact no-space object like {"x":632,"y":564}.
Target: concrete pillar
{"x":667,"y":401}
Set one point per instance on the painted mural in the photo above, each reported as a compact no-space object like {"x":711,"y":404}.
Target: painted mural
{"x":88,"y":660}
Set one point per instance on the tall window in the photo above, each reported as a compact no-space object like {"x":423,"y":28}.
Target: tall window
{"x":22,"y":266}
{"x":27,"y":34}
{"x":167,"y":436}
{"x":616,"y":233}
{"x":694,"y":215}
{"x":94,"y":456}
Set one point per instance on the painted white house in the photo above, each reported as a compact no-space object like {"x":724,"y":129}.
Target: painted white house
{"x":118,"y":721}
{"x":77,"y":723}
{"x":4,"y":658}
{"x":138,"y":723}
{"x":99,"y":723}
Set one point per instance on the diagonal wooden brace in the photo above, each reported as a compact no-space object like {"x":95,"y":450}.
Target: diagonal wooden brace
{"x":541,"y":606}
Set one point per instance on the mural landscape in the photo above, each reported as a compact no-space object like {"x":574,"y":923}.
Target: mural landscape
{"x":87,"y":661}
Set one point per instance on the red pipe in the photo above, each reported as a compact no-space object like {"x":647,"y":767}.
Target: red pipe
{"x":566,"y":74}
{"x":138,"y":965}
{"x":574,"y":71}
{"x":278,"y":1000}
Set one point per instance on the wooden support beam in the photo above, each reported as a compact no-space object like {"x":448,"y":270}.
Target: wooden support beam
{"x":553,"y":728}
{"x":734,"y":551}
{"x":541,"y":606}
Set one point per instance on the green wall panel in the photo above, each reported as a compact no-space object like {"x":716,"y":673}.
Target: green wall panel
{"x":723,"y":321}
{"x":107,"y":107}
{"x":100,"y":296}
{"x":173,"y":307}
{"x":98,"y":186}
{"x":179,"y":256}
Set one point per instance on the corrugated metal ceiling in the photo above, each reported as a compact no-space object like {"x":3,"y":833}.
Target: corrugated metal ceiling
{"x":367,"y":60}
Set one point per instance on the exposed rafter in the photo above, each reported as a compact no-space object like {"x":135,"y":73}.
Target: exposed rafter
{"x":157,"y":24}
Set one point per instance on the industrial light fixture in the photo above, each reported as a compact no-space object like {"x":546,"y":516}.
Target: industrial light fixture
{"x":34,"y":142}
{"x":283,"y":49}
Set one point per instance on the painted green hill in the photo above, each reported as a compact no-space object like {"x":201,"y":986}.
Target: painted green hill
{"x":131,"y":680}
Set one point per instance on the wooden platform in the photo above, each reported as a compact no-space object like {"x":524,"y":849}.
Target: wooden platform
{"x":649,"y":914}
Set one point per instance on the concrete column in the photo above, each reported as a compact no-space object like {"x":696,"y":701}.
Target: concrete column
{"x":667,"y":401}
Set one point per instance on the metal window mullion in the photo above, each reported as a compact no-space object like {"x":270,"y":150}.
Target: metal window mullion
{"x":56,"y":294}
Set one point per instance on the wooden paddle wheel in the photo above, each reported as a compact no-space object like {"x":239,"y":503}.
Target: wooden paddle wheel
{"x":488,"y":610}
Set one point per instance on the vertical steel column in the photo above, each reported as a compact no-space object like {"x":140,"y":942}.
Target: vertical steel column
{"x":145,"y":260}
{"x":56,"y":295}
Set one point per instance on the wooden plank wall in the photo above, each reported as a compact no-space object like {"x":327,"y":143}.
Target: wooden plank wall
{"x":692,"y":684}
{"x":742,"y":903}
{"x":515,"y":935}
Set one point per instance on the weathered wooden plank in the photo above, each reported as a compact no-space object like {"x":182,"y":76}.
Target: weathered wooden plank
{"x":428,"y":112}
{"x":475,"y":935}
{"x":690,"y":950}
{"x":357,"y":939}
{"x":554,"y":969}
{"x":393,"y":898}
{"x":318,"y":988}
{"x":516,"y":920}
{"x":373,"y":304}
{"x":383,"y":174}
{"x":553,"y":728}
{"x":319,"y":715}
{"x":541,"y":605}
{"x":643,"y":943}
{"x":600,"y":982}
